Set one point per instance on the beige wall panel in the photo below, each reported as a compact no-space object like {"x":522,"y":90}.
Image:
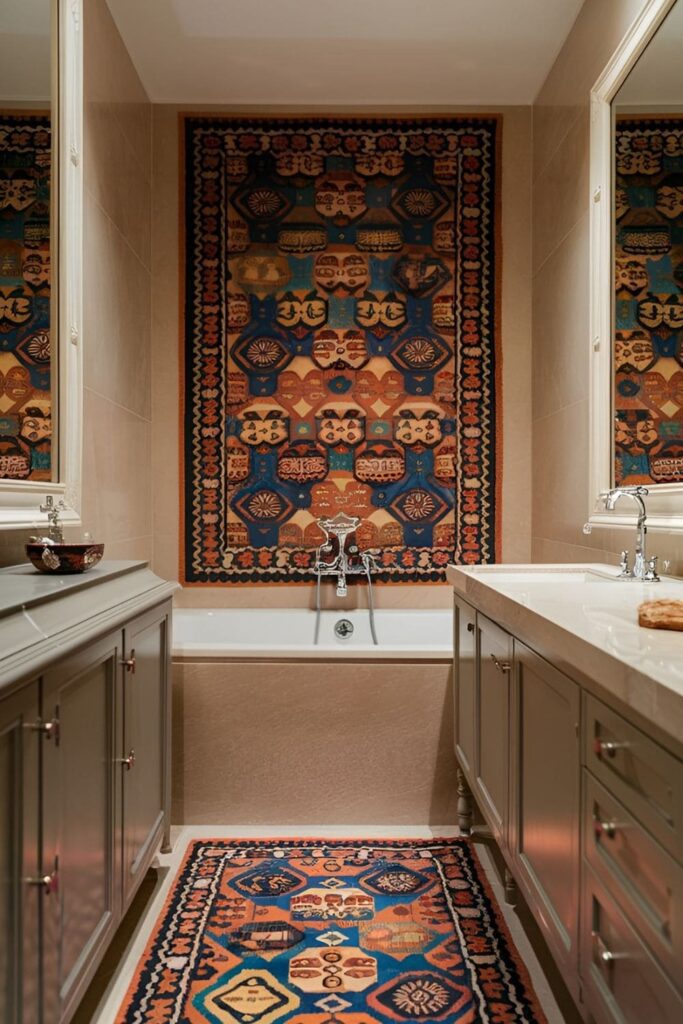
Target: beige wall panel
{"x":327,"y":743}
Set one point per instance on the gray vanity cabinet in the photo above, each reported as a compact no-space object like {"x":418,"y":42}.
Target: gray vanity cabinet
{"x":145,"y":727}
{"x":465,"y":644}
{"x":492,"y":724}
{"x":84,"y":758}
{"x":19,"y":857}
{"x":79,"y":783}
{"x":545,"y":800}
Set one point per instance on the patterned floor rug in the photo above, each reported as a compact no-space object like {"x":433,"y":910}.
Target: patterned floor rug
{"x":330,"y":932}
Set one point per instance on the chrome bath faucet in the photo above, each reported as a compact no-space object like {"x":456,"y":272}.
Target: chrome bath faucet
{"x":340,"y":556}
{"x":644,"y":569}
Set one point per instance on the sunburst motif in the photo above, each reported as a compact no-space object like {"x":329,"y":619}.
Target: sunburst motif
{"x":418,"y":505}
{"x":265,"y":505}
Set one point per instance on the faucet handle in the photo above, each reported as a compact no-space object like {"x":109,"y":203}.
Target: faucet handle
{"x":623,"y":564}
{"x":651,"y":574}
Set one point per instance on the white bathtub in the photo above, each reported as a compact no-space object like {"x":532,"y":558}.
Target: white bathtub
{"x":289,"y":633}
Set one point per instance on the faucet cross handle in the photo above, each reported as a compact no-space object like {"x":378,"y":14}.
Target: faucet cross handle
{"x":52,"y":511}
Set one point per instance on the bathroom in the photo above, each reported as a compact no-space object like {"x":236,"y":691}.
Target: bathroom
{"x":363,"y":595}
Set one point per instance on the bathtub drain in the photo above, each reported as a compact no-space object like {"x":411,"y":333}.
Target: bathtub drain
{"x":343,"y":629}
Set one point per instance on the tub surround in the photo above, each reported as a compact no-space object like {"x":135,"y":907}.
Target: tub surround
{"x":280,"y":633}
{"x":589,"y":629}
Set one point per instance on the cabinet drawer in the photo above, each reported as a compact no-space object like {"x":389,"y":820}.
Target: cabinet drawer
{"x":623,"y":983}
{"x":644,"y":880}
{"x":646,"y":778}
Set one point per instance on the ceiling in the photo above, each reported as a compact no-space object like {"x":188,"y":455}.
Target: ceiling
{"x":348,"y":53}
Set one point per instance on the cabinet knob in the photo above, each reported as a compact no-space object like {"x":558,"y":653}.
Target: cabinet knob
{"x":127,"y":762}
{"x":129,"y":663}
{"x":470,"y":627}
{"x":502,"y":666}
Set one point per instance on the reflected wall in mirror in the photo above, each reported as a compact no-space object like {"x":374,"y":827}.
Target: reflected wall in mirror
{"x":648,"y":263}
{"x":27,"y":230}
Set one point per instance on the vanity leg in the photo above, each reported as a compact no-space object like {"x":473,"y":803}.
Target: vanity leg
{"x":510,"y":889}
{"x":464,"y":804}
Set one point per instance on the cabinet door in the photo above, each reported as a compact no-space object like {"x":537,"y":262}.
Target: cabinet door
{"x":493,"y":725}
{"x":144,"y":743}
{"x":546,"y":783}
{"x":19,"y":857}
{"x":465,"y":681}
{"x":80,"y":916}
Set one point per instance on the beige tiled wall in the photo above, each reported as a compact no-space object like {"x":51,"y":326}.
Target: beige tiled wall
{"x":516,"y":341}
{"x":560,"y":288}
{"x":117,"y":492}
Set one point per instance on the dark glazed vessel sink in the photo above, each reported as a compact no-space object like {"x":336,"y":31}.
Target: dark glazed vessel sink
{"x":59,"y":559}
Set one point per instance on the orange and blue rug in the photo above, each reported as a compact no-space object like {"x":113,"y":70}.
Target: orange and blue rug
{"x":330,"y":932}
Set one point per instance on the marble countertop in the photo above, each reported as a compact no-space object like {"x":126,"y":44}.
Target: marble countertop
{"x":588,"y":626}
{"x":22,"y":586}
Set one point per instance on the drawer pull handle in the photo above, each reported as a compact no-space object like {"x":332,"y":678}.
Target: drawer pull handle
{"x":48,"y":883}
{"x":607,"y":747}
{"x":604,"y":955}
{"x":605,"y":828}
{"x":127,"y":762}
{"x":502,"y":666}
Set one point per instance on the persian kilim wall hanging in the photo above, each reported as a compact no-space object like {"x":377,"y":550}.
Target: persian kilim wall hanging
{"x":320,"y":932}
{"x":25,"y":394}
{"x":648,"y":345}
{"x":340,"y":343}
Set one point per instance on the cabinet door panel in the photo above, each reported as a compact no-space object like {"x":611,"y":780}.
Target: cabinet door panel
{"x":19,"y":900}
{"x":465,"y":682}
{"x":546,"y":782}
{"x":78,"y":788}
{"x":493,"y":725}
{"x":145,"y":728}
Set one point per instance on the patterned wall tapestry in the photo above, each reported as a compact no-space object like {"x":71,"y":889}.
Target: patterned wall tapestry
{"x":649,"y":307}
{"x":340,"y":337}
{"x":25,"y":395}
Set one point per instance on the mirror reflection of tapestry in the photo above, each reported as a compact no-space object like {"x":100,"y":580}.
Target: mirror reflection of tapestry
{"x":340,"y":319}
{"x":25,"y":384}
{"x":648,"y":349}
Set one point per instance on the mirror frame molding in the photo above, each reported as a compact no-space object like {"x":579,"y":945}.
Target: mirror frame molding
{"x":20,"y":500}
{"x":665,"y":501}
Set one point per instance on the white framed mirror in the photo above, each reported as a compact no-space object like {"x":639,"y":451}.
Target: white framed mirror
{"x":636,"y":270}
{"x":41,"y":84}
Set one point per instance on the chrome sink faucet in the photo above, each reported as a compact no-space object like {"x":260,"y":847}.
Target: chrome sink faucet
{"x":644,"y":569}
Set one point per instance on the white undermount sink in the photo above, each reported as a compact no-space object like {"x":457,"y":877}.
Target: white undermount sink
{"x":545,"y":574}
